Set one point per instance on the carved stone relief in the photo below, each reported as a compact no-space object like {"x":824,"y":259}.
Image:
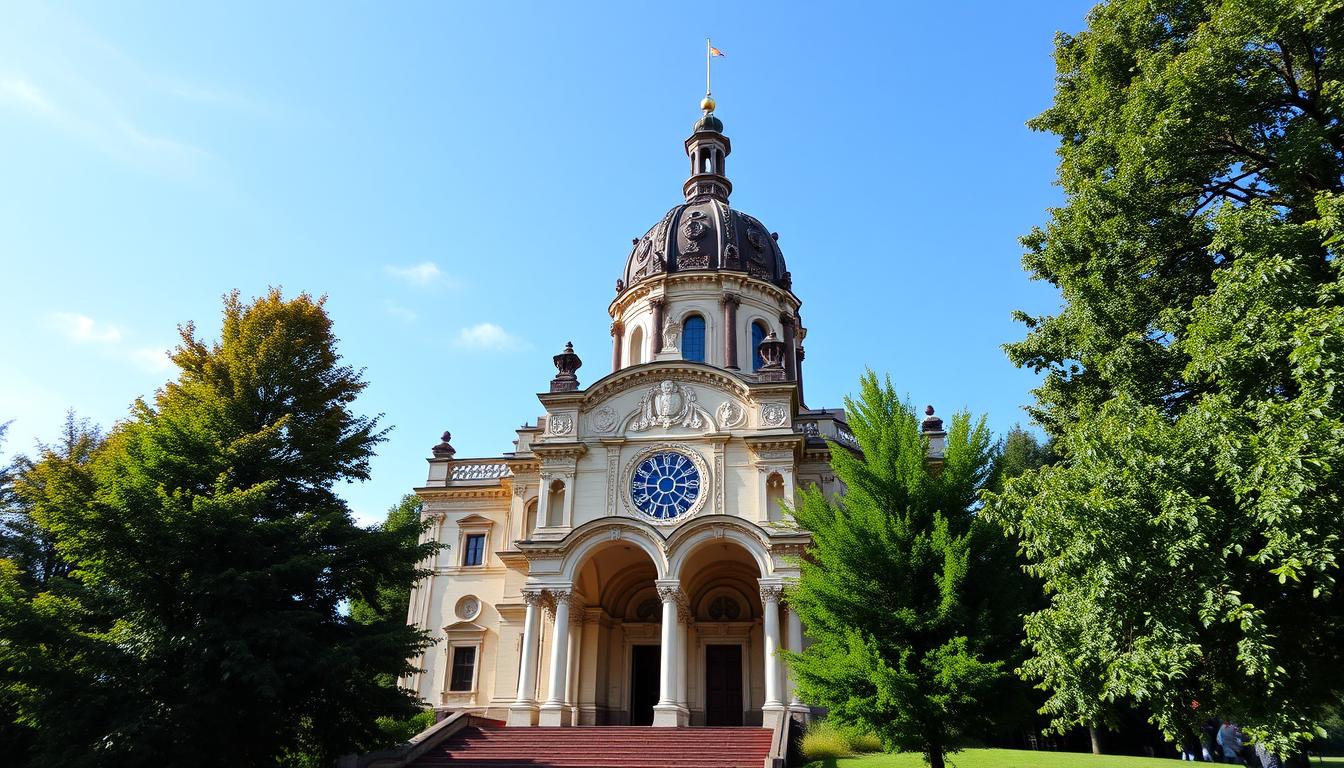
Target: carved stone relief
{"x":605,"y":419}
{"x":671,"y":336}
{"x":669,"y":404}
{"x":731,"y":415}
{"x":560,"y":424}
{"x":774,"y":415}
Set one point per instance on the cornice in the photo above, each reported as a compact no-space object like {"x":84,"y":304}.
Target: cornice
{"x":723,"y":278}
{"x":648,"y":374}
{"x":464,"y":492}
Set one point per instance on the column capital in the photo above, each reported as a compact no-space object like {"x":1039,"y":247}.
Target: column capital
{"x":771,"y":590}
{"x":617,"y":328}
{"x":534,"y":597}
{"x":657,"y":302}
{"x":669,"y":591}
{"x":730,"y":300}
{"x":786,"y":319}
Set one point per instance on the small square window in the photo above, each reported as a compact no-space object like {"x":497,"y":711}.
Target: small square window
{"x":464,"y":668}
{"x":474,"y":551}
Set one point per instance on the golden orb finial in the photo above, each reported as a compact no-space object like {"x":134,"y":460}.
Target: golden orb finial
{"x":707,"y":104}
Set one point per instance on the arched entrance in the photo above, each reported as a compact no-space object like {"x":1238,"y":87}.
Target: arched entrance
{"x":651,"y":631}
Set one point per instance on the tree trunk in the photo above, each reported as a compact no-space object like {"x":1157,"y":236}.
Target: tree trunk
{"x":936,"y":757}
{"x":1095,"y":733}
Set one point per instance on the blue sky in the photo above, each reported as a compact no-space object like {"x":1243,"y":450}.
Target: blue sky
{"x":463,"y":182}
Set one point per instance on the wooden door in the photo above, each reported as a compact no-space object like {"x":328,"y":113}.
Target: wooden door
{"x":723,"y":685}
{"x":645,"y":661}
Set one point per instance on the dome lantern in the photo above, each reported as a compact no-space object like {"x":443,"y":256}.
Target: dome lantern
{"x":708,"y":150}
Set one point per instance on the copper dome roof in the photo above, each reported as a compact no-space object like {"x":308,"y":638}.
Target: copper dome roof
{"x":705,"y":234}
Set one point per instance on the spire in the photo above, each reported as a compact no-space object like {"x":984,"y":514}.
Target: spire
{"x":708,"y":147}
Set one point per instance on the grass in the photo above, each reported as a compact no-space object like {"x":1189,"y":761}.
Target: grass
{"x":1018,"y":758}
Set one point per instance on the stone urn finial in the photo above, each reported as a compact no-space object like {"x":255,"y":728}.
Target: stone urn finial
{"x":444,"y":450}
{"x":771,"y":351}
{"x":931,"y":423}
{"x":566,"y":363}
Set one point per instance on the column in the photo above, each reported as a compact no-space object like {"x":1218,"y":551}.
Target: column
{"x":730,"y":302}
{"x":683,"y":656}
{"x":801,"y":402}
{"x":667,"y":713}
{"x":657,"y":340}
{"x":770,"y":593}
{"x":553,"y":711}
{"x":794,"y":639}
{"x":790,"y":361}
{"x":617,"y":341}
{"x":524,"y":709}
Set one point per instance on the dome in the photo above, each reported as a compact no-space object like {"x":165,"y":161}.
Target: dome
{"x":705,"y":234}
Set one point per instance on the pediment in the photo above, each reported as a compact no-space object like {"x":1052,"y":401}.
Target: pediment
{"x":667,"y":404}
{"x":645,"y":375}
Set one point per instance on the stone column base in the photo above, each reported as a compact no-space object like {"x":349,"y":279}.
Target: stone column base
{"x":670,"y":716}
{"x":522,"y":714}
{"x":773,"y":714}
{"x":555,"y":715}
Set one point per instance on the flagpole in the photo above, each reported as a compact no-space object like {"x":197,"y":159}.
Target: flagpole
{"x":707,"y":58}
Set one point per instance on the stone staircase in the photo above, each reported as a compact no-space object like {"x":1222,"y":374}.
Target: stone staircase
{"x":486,"y":745}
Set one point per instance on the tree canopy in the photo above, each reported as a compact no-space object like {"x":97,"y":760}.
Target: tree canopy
{"x":1189,"y":537}
{"x":897,"y":589}
{"x":212,"y":561}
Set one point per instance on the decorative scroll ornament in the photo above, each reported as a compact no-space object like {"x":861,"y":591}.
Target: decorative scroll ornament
{"x":604,"y":420}
{"x":666,"y":405}
{"x":560,"y":424}
{"x":730,"y":415}
{"x":774,"y":415}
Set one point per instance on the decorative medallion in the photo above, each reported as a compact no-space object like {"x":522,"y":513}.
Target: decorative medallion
{"x":560,"y":424}
{"x":666,"y":483}
{"x":666,"y":405}
{"x":604,"y":420}
{"x":468,"y":608}
{"x":774,"y":415}
{"x":730,"y":415}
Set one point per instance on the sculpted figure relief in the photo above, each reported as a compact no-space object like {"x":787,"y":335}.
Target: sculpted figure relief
{"x":666,"y":405}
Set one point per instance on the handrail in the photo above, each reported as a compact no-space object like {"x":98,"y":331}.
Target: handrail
{"x":402,"y":755}
{"x":779,"y":742}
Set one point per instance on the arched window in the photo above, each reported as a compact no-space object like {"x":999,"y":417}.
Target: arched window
{"x":693,"y":339}
{"x":758,"y":333}
{"x":555,"y":505}
{"x":637,"y":346}
{"x":530,"y":519}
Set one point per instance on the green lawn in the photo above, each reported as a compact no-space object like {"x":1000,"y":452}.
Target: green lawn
{"x":1017,"y":758}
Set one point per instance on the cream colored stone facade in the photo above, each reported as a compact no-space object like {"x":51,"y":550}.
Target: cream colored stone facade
{"x":584,"y":609}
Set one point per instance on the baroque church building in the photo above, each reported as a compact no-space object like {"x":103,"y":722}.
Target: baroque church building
{"x":625,"y":564}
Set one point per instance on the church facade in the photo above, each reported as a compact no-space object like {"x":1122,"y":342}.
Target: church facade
{"x":625,"y":564}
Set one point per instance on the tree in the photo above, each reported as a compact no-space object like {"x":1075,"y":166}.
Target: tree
{"x":1189,"y":536}
{"x":895,"y":586}
{"x":1017,"y":452}
{"x":393,"y":595}
{"x":216,"y":535}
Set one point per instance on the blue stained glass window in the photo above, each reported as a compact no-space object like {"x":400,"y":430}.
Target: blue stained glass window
{"x":693,"y":339}
{"x":474,"y":552}
{"x":757,"y":336}
{"x":665,"y":485}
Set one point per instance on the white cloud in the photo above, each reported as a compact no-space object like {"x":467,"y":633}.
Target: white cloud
{"x":424,"y":273}
{"x":151,"y":359}
{"x":18,"y":91}
{"x":82,"y":328}
{"x":486,"y":336}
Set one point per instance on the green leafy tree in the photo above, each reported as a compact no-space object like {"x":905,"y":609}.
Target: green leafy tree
{"x":393,"y":595}
{"x":1189,"y":537}
{"x":217,"y":538}
{"x":895,"y":589}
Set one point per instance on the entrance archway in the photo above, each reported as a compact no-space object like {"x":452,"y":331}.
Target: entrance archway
{"x":615,"y":669}
{"x":721,"y":580}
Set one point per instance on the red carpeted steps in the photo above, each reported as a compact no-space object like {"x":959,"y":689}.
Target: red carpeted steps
{"x":488,"y":746}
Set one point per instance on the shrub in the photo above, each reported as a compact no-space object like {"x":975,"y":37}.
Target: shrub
{"x":823,"y":741}
{"x":865,"y":742}
{"x":400,"y":730}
